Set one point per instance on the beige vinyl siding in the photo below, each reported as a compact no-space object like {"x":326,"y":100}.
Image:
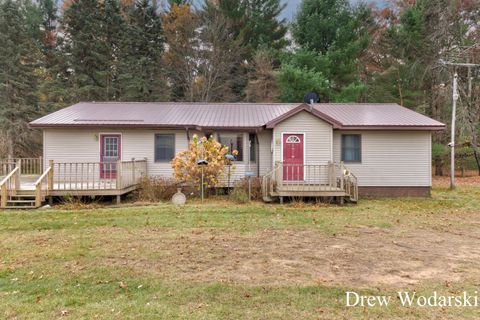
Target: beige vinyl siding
{"x":265,"y":151}
{"x":82,"y":145}
{"x":390,"y":158}
{"x":318,"y":137}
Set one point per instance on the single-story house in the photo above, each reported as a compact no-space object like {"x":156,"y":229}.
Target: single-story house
{"x":385,"y":147}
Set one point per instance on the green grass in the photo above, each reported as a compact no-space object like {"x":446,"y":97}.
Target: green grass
{"x":58,"y":263}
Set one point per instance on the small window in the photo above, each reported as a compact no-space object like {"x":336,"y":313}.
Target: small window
{"x":164,"y":147}
{"x":351,"y":148}
{"x":293,"y":139}
{"x":233,"y":142}
{"x":253,"y":147}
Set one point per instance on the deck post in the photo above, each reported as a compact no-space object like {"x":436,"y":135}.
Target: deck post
{"x":40,"y":165}
{"x":19,"y":165}
{"x":38,"y":195}
{"x":16,"y":178}
{"x":118,"y":183}
{"x":119,"y":199}
{"x":50,"y":175}
{"x":279,"y":169}
{"x":342,"y":169}
{"x":3,"y":199}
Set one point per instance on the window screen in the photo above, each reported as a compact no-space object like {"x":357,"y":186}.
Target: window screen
{"x":164,"y":147}
{"x":233,"y":142}
{"x":351,"y":148}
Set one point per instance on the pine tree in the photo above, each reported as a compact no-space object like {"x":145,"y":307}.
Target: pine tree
{"x":264,"y":28}
{"x":113,"y":33}
{"x":87,"y":50}
{"x":18,"y":82}
{"x":54,"y":84}
{"x":141,"y":75}
{"x":254,"y":25}
{"x":336,"y":33}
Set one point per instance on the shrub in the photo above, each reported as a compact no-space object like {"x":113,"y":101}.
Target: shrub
{"x":256,"y":190}
{"x":187,"y":170}
{"x":239,"y":195}
{"x":154,"y":189}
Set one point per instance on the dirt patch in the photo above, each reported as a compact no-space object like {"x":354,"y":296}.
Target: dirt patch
{"x":365,"y":257}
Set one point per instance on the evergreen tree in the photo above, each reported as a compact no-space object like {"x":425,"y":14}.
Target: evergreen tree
{"x":87,"y":50}
{"x":336,"y":35}
{"x":18,"y":82}
{"x":264,"y":28}
{"x":141,"y":75}
{"x":113,"y":31}
{"x":255,"y":25}
{"x":55,"y":88}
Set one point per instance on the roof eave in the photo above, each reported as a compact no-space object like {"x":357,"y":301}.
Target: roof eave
{"x":303,"y":107}
{"x":141,"y":126}
{"x":393,"y":127}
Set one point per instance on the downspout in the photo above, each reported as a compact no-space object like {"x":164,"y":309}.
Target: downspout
{"x":188,"y":134}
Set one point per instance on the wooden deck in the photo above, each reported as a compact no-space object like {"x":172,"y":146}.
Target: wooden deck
{"x":27,"y":184}
{"x":331,"y":180}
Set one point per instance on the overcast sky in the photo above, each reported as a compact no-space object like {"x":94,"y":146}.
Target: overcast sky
{"x":292,"y":5}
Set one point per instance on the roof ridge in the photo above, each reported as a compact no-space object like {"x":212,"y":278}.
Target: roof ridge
{"x":191,"y":102}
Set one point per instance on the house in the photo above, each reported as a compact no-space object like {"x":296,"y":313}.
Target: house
{"x":300,"y":149}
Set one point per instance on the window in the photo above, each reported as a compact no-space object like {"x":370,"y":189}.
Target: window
{"x":164,"y":147}
{"x":351,"y":148}
{"x":233,"y":142}
{"x":253,"y":147}
{"x":293,"y":139}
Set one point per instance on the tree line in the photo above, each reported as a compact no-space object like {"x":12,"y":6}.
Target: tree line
{"x":54,"y":54}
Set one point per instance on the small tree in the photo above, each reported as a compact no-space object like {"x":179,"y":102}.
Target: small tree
{"x":187,"y":170}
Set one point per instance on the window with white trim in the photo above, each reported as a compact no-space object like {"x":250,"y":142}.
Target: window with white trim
{"x":233,"y":141}
{"x":164,"y":147}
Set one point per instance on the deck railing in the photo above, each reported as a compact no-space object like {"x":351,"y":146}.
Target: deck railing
{"x":43,"y":185}
{"x":310,"y":178}
{"x":9,"y":185}
{"x":97,"y":175}
{"x":28,"y":166}
{"x":131,"y":172}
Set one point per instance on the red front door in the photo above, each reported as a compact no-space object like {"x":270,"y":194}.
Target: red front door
{"x":293,"y":145}
{"x":110,"y":153}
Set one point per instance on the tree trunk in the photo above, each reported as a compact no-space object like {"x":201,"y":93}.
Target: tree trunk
{"x":10,"y":149}
{"x":477,"y":159}
{"x":438,"y":166}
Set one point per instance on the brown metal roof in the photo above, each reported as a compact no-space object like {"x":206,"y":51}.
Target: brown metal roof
{"x":230,"y":115}
{"x":376,"y":115}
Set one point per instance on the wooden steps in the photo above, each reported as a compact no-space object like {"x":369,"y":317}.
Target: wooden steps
{"x":21,"y":200}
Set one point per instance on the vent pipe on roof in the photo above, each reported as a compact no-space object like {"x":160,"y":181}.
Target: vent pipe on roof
{"x":311,"y":98}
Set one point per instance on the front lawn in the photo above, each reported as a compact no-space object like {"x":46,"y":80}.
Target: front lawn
{"x":223,"y":261}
